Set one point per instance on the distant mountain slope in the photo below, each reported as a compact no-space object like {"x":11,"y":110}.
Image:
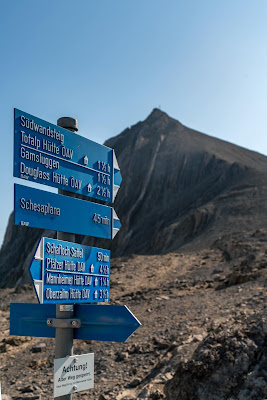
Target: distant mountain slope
{"x":180,"y":188}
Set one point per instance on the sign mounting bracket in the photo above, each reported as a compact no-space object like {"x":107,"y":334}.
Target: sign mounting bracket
{"x":68,"y":323}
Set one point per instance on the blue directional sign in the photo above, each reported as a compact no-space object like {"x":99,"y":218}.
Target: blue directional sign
{"x":105,"y":322}
{"x":41,"y":209}
{"x":48,"y":154}
{"x":66,"y":272}
{"x":98,"y":322}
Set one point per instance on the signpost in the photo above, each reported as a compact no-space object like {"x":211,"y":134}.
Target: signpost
{"x":51,"y":155}
{"x":66,"y":272}
{"x":41,"y":209}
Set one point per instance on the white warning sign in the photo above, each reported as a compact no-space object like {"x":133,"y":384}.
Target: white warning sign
{"x":73,"y":374}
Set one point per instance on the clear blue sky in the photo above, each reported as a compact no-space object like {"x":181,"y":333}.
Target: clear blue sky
{"x":108,"y":63}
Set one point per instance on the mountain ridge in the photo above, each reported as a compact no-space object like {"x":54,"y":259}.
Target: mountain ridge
{"x":157,"y":114}
{"x":205,"y":167}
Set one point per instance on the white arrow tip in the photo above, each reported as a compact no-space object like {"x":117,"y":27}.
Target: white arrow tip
{"x":116,"y":224}
{"x":115,"y":191}
{"x":39,"y":290}
{"x":115,"y":162}
{"x":39,"y":251}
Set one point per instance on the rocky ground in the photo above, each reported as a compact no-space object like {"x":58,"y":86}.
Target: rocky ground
{"x":203,"y":333}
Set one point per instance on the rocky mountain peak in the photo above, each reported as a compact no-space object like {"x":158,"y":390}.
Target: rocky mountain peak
{"x":156,"y":114}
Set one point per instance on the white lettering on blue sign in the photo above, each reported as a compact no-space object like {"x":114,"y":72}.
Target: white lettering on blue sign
{"x":60,"y":179}
{"x":34,"y":172}
{"x":59,"y":250}
{"x":47,"y":131}
{"x":40,"y":208}
{"x":50,"y":146}
{"x":75,"y":183}
{"x":57,"y":294}
{"x":32,"y":140}
{"x":38,"y":158}
{"x":65,"y":152}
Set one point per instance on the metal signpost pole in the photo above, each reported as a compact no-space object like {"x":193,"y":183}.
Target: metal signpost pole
{"x":64,"y":337}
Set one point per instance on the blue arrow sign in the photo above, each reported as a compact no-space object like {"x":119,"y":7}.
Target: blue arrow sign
{"x":66,"y":272}
{"x":41,"y":209}
{"x":99,"y":322}
{"x":48,"y":154}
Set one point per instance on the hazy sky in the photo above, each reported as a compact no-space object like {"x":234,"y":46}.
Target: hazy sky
{"x":108,"y":63}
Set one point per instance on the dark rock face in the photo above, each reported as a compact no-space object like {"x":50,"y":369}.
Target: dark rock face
{"x":180,"y":188}
{"x":228,"y":364}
